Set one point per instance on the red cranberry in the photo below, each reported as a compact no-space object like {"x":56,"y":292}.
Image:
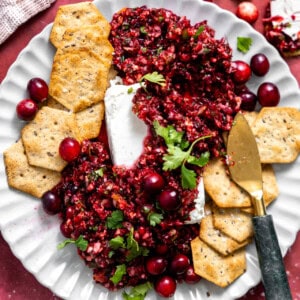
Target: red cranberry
{"x":162,"y":249}
{"x":65,"y":230}
{"x":249,"y":100}
{"x":241,"y":72}
{"x":190,"y":276}
{"x":26,"y":109}
{"x":165,"y":286}
{"x":259,"y":64}
{"x":179,"y":263}
{"x":51,"y":203}
{"x":153,"y":183}
{"x":169,"y":199}
{"x":38,"y":89}
{"x":268,"y":94}
{"x":247,"y":11}
{"x":69,"y":149}
{"x":156,"y":265}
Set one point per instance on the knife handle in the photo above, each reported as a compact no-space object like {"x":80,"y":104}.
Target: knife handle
{"x":273,"y":272}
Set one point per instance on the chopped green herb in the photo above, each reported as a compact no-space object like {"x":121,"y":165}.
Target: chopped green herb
{"x":130,"y":90}
{"x":143,"y":30}
{"x":154,"y":77}
{"x":119,"y":273}
{"x":134,"y":249}
{"x":177,"y":156}
{"x":81,"y":243}
{"x":117,"y":242}
{"x":244,"y":44}
{"x":199,"y":31}
{"x":154,"y":218}
{"x":138,"y":292}
{"x":115,"y":220}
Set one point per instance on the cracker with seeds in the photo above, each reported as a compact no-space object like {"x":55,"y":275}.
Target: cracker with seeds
{"x":78,"y":79}
{"x":277,"y":133}
{"x":88,"y":37}
{"x":76,"y":16}
{"x":26,"y":178}
{"x":215,"y":238}
{"x":42,"y":136}
{"x":226,"y":193}
{"x":219,"y":269}
{"x":89,"y":121}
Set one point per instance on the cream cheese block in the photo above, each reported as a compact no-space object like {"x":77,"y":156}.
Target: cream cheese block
{"x":126,"y":134}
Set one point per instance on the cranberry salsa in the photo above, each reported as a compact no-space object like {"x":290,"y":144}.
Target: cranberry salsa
{"x":129,"y":223}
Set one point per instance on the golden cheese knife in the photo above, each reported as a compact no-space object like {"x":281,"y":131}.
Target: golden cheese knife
{"x":245,"y":170}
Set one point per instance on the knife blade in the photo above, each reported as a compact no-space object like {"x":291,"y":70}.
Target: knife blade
{"x":245,"y":170}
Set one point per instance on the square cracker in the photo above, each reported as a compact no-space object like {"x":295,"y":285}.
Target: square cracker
{"x":89,"y":121}
{"x":79,"y":78}
{"x":219,"y":269}
{"x":226,"y":193}
{"x":77,"y":15}
{"x":216,"y":239}
{"x":24,"y":177}
{"x":42,"y":136}
{"x":277,"y":133}
{"x":88,"y":37}
{"x":233,"y":222}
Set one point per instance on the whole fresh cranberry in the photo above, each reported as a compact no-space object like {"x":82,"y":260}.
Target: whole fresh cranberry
{"x":190,"y":276}
{"x":241,"y":71}
{"x":165,"y":286}
{"x":51,"y":203}
{"x":26,"y":109}
{"x":247,"y":11}
{"x":259,"y":64}
{"x":162,"y":249}
{"x":153,"y":183}
{"x":169,"y":199}
{"x":69,"y":149}
{"x":249,"y":100}
{"x":65,"y":230}
{"x":179,"y":264}
{"x":268,"y":94}
{"x":37,"y":89}
{"x":156,"y":265}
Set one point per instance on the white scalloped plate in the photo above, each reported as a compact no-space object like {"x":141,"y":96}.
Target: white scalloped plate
{"x":33,"y":235}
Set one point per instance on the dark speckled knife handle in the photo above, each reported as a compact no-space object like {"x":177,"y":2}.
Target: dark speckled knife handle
{"x":270,"y":259}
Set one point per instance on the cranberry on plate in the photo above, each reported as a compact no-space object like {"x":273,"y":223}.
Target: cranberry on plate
{"x":51,"y":203}
{"x":165,"y":286}
{"x":156,"y":265}
{"x":26,"y":109}
{"x":37,"y":89}
{"x":247,"y":11}
{"x":259,"y":64}
{"x":241,"y":72}
{"x":268,"y":94}
{"x":69,"y":149}
{"x":179,"y":264}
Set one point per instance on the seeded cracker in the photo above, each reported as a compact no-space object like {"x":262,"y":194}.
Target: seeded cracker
{"x":78,"y":78}
{"x":24,"y":177}
{"x":42,"y":136}
{"x":219,"y":269}
{"x":277,"y":133}
{"x":76,"y":16}
{"x":89,"y":121}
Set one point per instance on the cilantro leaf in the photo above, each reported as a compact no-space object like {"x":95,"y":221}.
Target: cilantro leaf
{"x":199,"y":161}
{"x":244,"y":44}
{"x":134,"y":249}
{"x":117,"y":242}
{"x":154,"y":218}
{"x":119,"y":273}
{"x":174,"y":158}
{"x":188,"y":178}
{"x":154,"y":77}
{"x":138,"y":292}
{"x":115,"y":220}
{"x":199,"y":31}
{"x":80,"y":242}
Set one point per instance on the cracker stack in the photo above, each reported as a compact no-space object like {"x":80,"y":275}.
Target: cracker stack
{"x":75,"y":107}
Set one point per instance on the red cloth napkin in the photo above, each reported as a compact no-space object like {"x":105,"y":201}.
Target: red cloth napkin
{"x":13,"y":13}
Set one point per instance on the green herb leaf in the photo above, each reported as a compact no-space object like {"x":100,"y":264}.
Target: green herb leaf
{"x":244,"y":44}
{"x":143,"y":30}
{"x":81,"y":243}
{"x":138,"y":292}
{"x":115,"y":220}
{"x":199,"y":31}
{"x":119,"y":273}
{"x":174,"y":158}
{"x":199,"y":161}
{"x":154,"y":218}
{"x":130,"y":90}
{"x":188,"y":178}
{"x":117,"y":242}
{"x":154,"y":77}
{"x":134,"y":249}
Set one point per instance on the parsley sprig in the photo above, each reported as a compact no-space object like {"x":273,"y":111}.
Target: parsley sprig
{"x":179,"y":153}
{"x":80,"y":242}
{"x":138,"y":292}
